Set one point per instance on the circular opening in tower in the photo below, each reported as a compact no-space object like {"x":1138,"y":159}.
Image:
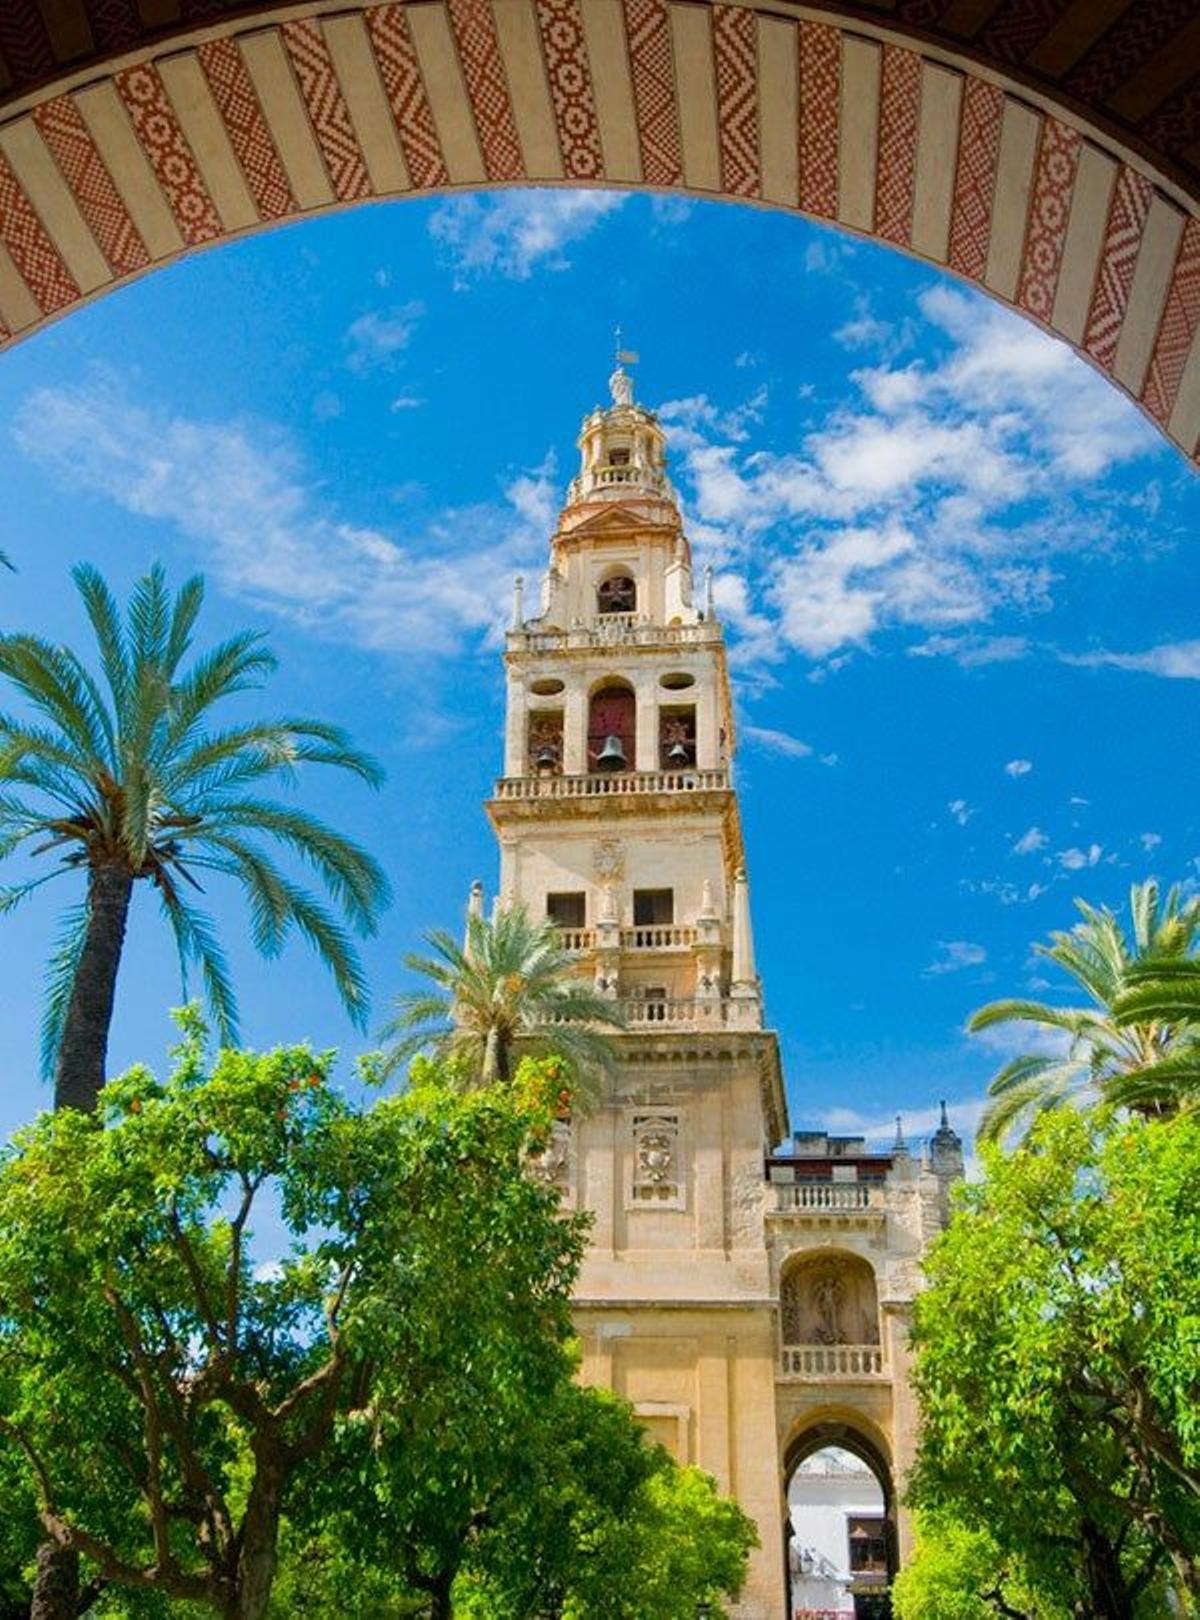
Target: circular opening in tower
{"x":546,"y":687}
{"x":678,"y":681}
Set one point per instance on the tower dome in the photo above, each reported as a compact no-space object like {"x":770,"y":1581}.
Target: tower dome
{"x":623,"y":450}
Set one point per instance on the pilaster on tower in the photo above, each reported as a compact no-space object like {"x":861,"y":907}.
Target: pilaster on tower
{"x":616,"y":813}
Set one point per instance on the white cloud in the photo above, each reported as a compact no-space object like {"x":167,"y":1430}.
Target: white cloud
{"x":238,"y":492}
{"x":405,"y":402}
{"x":777,"y":742}
{"x":1150,"y":841}
{"x":957,"y":954}
{"x":1030,"y":842}
{"x":961,"y":811}
{"x":1077,"y":860}
{"x":376,"y":338}
{"x":513,"y":232}
{"x":1177,"y":660}
{"x":1018,"y":767}
{"x":934,"y":500}
{"x":973,"y":651}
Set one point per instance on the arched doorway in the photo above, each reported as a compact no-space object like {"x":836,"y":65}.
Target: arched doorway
{"x":1052,"y":165}
{"x":841,"y":1548}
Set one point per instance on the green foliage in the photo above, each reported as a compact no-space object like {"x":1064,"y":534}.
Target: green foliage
{"x":511,"y":981}
{"x":1126,"y":1047}
{"x":1058,"y":1359}
{"x":600,"y":1524}
{"x":123,"y":771}
{"x":961,"y":1574}
{"x":168,"y":1394}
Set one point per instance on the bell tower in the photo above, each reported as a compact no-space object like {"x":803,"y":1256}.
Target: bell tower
{"x":617,"y":818}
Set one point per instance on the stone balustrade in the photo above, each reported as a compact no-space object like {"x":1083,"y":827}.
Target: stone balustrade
{"x":614,"y":630}
{"x":827,"y":1197}
{"x":611,"y":784}
{"x":823,"y":1361}
{"x":682,"y":1012}
{"x":658,"y":937}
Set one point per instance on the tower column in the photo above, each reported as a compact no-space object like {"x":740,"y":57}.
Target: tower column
{"x":647,"y":724}
{"x":515,"y":727}
{"x":574,"y":729}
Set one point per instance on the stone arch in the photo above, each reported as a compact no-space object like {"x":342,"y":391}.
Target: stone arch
{"x":1053,"y":163}
{"x":853,"y":1432}
{"x":616,"y":590}
{"x":612,"y":713}
{"x":828,"y":1297}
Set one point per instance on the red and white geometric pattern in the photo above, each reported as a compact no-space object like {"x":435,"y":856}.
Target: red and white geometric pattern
{"x":327,"y":110}
{"x":73,"y":149}
{"x":1123,"y":237}
{"x":735,"y":49}
{"x":1049,"y":211}
{"x":820,"y":111}
{"x":475,"y":34}
{"x":651,"y":60}
{"x":975,"y":177}
{"x":170,"y":156}
{"x":34,"y":254}
{"x":480,"y":80}
{"x":405,"y":89}
{"x":249,"y":135}
{"x":565,"y":48}
{"x":1177,"y":329}
{"x":895,"y":169}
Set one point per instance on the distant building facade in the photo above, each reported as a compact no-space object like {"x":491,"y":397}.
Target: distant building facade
{"x":752,"y":1304}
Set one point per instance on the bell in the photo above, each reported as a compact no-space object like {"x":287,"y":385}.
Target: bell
{"x":612,"y":756}
{"x":677,"y":754}
{"x":546,"y":757}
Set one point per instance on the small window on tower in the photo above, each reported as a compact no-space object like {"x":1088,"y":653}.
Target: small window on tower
{"x":567,"y":910}
{"x":653,"y":906}
{"x":617,"y":595}
{"x":618,"y":458}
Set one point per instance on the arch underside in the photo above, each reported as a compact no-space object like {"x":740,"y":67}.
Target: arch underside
{"x":228,"y":126}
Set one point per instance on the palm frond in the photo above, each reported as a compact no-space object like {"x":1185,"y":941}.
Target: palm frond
{"x":197,"y":945}
{"x":186,"y":609}
{"x":352,"y":876}
{"x":60,"y":981}
{"x":105,"y":618}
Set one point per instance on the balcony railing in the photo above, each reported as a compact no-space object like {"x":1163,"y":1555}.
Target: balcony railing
{"x":826,"y":1197}
{"x":611,"y":784}
{"x":658,"y":937}
{"x":577,"y":939}
{"x":684,"y":1013}
{"x":613,"y":630}
{"x":831,"y":1361}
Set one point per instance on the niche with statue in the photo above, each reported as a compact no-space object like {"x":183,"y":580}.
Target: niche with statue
{"x":829,"y":1299}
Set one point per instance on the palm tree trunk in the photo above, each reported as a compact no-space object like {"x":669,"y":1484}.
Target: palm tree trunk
{"x":80,"y":1070}
{"x":79,"y":1074}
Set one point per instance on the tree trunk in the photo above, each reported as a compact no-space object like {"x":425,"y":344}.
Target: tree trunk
{"x":56,"y":1583}
{"x":260,"y":1536}
{"x":80,"y":1070}
{"x":439,"y":1598}
{"x":1107,"y":1586}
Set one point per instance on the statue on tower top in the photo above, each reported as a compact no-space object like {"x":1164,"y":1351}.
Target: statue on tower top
{"x":620,"y":385}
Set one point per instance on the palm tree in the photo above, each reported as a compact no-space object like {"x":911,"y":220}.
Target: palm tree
{"x":125,"y":777}
{"x":1115,"y":1049}
{"x":511,"y":980}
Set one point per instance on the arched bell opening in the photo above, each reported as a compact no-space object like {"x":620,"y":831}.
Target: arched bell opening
{"x":840,"y":1540}
{"x":612,"y":728}
{"x":616,"y":593}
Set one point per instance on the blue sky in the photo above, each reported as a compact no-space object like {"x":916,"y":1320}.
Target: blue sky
{"x":958,"y":574}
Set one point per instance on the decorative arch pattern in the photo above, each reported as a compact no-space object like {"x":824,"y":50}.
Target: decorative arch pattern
{"x":1069,"y":194}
